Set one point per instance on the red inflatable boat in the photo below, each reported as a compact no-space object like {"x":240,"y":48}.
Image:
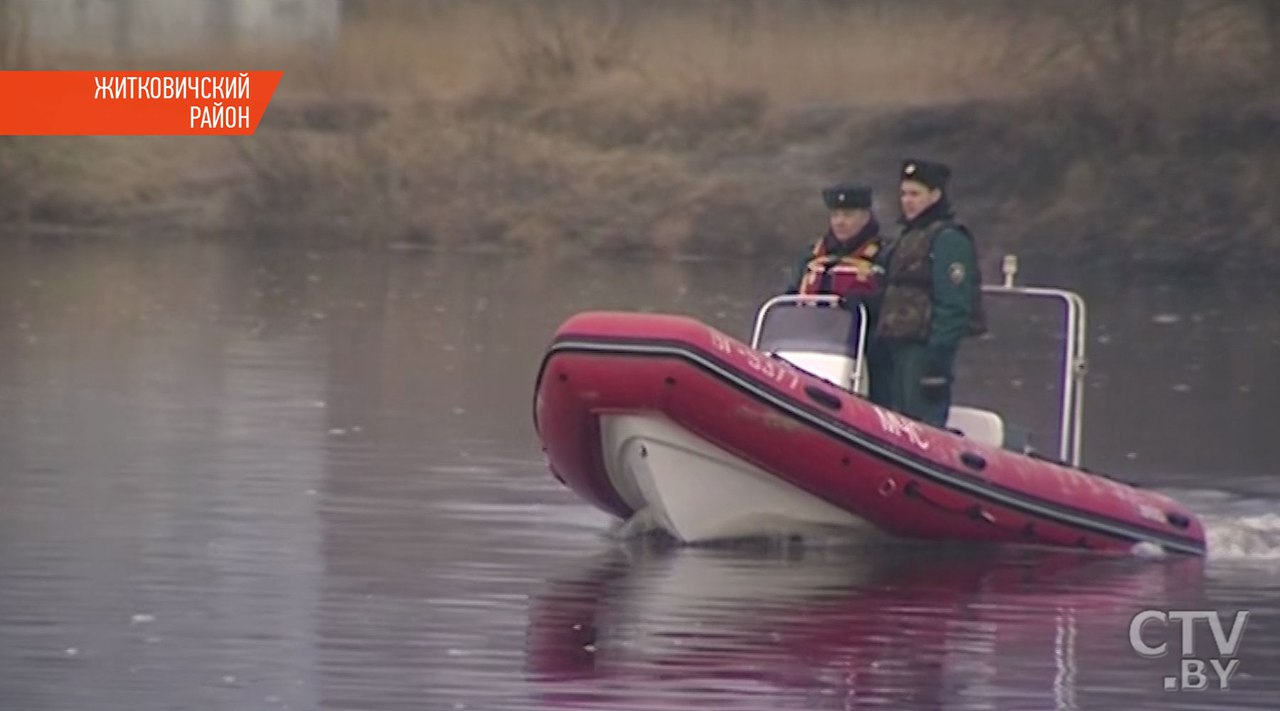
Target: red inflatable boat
{"x":669,"y":423}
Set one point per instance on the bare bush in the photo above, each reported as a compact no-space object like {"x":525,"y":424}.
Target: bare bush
{"x":1134,"y":62}
{"x":15,"y":38}
{"x":546,"y":45}
{"x":1270,"y":11}
{"x":14,"y":160}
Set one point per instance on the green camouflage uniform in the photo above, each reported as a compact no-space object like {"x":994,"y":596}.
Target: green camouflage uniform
{"x":931,"y":302}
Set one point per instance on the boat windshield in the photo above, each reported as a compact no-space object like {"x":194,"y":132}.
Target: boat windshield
{"x":792,"y":324}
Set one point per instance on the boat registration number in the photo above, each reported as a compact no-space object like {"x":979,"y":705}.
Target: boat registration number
{"x":771,"y":369}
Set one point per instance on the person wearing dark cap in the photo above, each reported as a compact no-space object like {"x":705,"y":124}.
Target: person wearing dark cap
{"x":932,"y":295}
{"x":842,"y":263}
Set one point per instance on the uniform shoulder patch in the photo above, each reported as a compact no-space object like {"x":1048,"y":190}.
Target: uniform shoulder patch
{"x":956,"y":272}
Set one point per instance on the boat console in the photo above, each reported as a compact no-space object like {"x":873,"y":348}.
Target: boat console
{"x":818,"y":335}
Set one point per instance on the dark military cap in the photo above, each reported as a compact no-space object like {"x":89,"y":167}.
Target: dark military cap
{"x":927,"y":173}
{"x":847,"y":196}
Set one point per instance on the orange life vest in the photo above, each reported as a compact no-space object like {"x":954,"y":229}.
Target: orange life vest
{"x":844,"y":275}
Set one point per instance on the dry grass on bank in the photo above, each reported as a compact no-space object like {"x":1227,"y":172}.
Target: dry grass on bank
{"x":1130,"y":130}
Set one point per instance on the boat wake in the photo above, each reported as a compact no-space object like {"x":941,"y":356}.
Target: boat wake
{"x":1237,"y":528}
{"x":1243,"y":537}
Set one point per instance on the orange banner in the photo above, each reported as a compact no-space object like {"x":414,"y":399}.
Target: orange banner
{"x":134,"y":103}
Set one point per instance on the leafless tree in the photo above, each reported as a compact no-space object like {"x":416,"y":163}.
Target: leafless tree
{"x":554,"y":42}
{"x":1128,"y":56}
{"x":1270,"y":10}
{"x":15,"y":45}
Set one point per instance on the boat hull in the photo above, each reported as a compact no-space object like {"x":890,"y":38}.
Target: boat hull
{"x":670,"y":418}
{"x":699,"y":492}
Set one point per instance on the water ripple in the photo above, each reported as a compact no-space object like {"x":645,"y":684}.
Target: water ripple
{"x":230,"y":504}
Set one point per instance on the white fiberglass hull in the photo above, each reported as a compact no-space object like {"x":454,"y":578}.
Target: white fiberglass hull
{"x":698,"y":492}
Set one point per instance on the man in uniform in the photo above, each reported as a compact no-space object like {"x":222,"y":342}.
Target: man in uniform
{"x":932,"y":295}
{"x":842,"y":263}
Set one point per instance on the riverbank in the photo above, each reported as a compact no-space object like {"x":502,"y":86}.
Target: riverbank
{"x":695,"y":133}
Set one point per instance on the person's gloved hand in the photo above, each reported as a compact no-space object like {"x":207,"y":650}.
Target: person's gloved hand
{"x":935,"y":382}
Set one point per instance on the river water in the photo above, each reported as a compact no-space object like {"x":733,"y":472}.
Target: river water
{"x":252,"y":478}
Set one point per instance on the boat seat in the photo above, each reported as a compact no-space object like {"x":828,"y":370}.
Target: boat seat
{"x":980,"y":425}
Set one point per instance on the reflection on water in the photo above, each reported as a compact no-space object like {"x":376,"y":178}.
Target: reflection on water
{"x":911,"y":630}
{"x":250,"y":478}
